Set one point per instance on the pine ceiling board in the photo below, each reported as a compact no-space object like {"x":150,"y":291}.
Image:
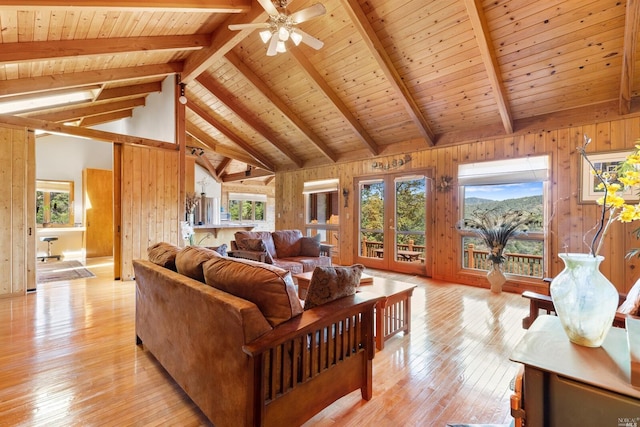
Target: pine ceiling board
{"x":507,"y":12}
{"x":565,"y":25}
{"x":9,"y":25}
{"x":70,"y":21}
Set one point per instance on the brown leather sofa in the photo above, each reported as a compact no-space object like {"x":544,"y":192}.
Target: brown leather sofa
{"x":250,"y":360}
{"x":287,"y":249}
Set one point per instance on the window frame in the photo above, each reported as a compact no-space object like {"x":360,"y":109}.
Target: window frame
{"x":498,"y":178}
{"x":243,"y":199}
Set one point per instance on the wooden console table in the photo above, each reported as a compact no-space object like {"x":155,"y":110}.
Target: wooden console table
{"x":570,"y":385}
{"x":393,"y":313}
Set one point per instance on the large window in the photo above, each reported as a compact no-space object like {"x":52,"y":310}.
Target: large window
{"x":322,"y":206}
{"x":54,"y":202}
{"x":503,"y":185}
{"x":247,"y":207}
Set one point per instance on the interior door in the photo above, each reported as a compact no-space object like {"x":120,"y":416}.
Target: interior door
{"x":392,"y":218}
{"x":98,"y":212}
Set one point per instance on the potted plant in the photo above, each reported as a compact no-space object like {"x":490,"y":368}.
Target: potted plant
{"x":496,"y":227}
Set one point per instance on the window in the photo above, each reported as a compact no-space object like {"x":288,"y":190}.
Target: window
{"x":517,"y":184}
{"x":322,"y":206}
{"x":54,"y":202}
{"x":247,"y":207}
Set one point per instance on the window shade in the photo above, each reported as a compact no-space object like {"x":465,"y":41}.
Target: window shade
{"x":322,"y":186}
{"x":526,"y":169}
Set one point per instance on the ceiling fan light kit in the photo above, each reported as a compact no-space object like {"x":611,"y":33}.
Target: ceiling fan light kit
{"x":282,"y":26}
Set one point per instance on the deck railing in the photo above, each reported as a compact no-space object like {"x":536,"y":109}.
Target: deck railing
{"x":520,"y":264}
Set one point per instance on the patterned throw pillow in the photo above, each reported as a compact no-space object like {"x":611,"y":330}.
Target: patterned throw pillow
{"x":222,"y":249}
{"x":330,"y":283}
{"x":256,"y":245}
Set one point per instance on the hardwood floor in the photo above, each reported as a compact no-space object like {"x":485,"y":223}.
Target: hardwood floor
{"x":69,"y":358}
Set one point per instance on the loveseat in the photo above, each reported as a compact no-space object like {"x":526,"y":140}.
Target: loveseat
{"x":287,"y":249}
{"x":234,"y":336}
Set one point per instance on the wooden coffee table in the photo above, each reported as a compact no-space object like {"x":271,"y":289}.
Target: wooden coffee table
{"x":392,"y":314}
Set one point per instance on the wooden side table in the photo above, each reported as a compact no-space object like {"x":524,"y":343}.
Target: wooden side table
{"x":392,"y":314}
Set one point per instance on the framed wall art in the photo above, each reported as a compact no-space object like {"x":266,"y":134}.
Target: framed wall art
{"x":606,"y":162}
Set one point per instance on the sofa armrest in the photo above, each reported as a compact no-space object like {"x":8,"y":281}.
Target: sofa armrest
{"x":252,"y":255}
{"x":325,"y":250}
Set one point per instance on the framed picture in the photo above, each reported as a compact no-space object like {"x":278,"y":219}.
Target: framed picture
{"x":608,"y":161}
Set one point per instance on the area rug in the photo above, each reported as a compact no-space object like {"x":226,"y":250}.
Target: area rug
{"x":61,"y":270}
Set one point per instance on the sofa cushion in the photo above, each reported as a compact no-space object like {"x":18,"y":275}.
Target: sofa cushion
{"x":163,"y":254}
{"x":287,"y":243}
{"x":310,"y":246}
{"x":330,"y":283}
{"x":289,"y":264}
{"x":189,"y":261}
{"x":267,"y":286}
{"x":265,"y":236}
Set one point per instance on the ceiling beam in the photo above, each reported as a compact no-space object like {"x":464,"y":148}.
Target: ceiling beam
{"x":377,"y":50}
{"x":631,"y":27}
{"x":205,"y":163}
{"x":105,"y":118}
{"x":39,"y":51}
{"x":89,"y":110}
{"x":292,"y":117}
{"x":129,"y":91}
{"x":226,"y":161}
{"x":206,"y":116}
{"x":241,"y":176}
{"x":488,"y":54}
{"x":228,"y":100}
{"x":59,"y":81}
{"x":97,"y":135}
{"x":321,"y":84}
{"x":223,"y":41}
{"x":212,"y":6}
{"x":218,"y":148}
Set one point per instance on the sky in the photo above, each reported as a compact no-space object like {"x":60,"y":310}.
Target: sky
{"x":504,"y":191}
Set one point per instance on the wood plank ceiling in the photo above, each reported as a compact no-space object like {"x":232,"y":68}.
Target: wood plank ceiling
{"x":393,"y":75}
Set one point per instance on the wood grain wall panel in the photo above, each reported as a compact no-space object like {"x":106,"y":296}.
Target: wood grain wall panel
{"x":150,"y":206}
{"x":568,"y":219}
{"x":15,"y":170}
{"x":31,"y":210}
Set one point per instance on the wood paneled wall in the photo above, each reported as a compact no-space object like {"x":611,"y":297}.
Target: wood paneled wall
{"x":17,"y":211}
{"x":568,"y":220}
{"x":151,"y":210}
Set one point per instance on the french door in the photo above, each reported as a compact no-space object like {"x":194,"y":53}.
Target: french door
{"x":392,"y":217}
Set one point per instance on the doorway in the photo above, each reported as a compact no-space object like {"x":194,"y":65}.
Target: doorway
{"x":392,"y":218}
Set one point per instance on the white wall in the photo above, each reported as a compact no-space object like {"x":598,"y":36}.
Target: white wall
{"x":63,"y":158}
{"x":156,"y":120}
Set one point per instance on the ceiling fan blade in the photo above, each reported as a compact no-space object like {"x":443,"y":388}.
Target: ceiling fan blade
{"x":273,"y":45}
{"x":237,"y":27}
{"x":268,"y":7}
{"x":309,"y":40}
{"x":308,"y":13}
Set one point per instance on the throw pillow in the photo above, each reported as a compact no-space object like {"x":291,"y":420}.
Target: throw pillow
{"x":163,"y":254}
{"x":287,"y":243}
{"x":330,"y":283}
{"x":255,"y":245}
{"x":267,"y":286}
{"x":310,"y":246}
{"x":631,"y":304}
{"x":189,"y":261}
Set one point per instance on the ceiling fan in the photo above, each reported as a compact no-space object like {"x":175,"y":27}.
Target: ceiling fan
{"x":282,"y":25}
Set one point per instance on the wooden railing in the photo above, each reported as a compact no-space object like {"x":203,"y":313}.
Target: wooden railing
{"x":521,"y":264}
{"x":374,"y":249}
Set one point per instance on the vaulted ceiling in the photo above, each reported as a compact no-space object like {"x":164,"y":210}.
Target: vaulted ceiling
{"x":393,"y":75}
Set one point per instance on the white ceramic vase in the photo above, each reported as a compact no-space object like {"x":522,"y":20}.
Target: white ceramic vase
{"x":584,"y":299}
{"x":496,"y":278}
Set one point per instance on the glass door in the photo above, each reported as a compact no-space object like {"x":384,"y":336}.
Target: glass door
{"x":392,"y":223}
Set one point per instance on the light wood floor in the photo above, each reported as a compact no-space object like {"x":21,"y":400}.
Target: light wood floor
{"x":68,"y":357}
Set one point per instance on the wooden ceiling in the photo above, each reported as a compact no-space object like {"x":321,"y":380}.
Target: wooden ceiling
{"x":393,"y":76}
